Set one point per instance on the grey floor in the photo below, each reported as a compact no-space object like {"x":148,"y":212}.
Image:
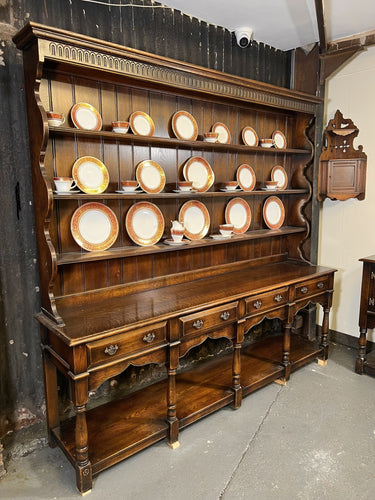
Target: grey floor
{"x":311,"y":439}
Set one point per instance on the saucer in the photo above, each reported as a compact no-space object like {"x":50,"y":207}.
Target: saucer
{"x":230,"y":190}
{"x":72,"y":191}
{"x":269,"y":189}
{"x":182,"y":191}
{"x":121,"y":191}
{"x":220,"y":237}
{"x":171,"y":242}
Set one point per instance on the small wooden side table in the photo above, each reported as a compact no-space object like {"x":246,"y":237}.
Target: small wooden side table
{"x":366,"y":361}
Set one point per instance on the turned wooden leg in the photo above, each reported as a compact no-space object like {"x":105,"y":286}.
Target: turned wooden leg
{"x":361,"y":358}
{"x":236,"y":381}
{"x":286,"y":351}
{"x":172,"y":419}
{"x":50,"y":387}
{"x":324,"y":337}
{"x":79,"y":391}
{"x":83,"y":465}
{"x":171,"y":413}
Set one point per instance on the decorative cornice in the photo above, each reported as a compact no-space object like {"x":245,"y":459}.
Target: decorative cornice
{"x":171,"y":76}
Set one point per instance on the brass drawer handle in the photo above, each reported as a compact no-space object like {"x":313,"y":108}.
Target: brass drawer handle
{"x":111,"y":349}
{"x":320,"y":285}
{"x":149,"y":337}
{"x":304,"y":289}
{"x":198,"y":324}
{"x":278,"y":298}
{"x":257,"y":304}
{"x":225,"y":315}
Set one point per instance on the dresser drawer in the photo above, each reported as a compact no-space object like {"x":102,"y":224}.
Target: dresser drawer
{"x":122,"y":344}
{"x":311,"y":287}
{"x":211,"y":318}
{"x":268,"y":300}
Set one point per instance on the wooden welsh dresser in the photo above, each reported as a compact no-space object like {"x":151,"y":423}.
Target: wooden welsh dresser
{"x":131,"y":304}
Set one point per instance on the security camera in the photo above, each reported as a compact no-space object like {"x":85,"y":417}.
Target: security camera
{"x":243,"y":36}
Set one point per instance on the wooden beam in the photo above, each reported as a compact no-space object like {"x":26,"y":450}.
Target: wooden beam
{"x":360,"y":39}
{"x":319,"y":8}
{"x":332,"y":60}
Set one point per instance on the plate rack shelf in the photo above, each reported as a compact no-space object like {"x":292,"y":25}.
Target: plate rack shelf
{"x":131,"y":305}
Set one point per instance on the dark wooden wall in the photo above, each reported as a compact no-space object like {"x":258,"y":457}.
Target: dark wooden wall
{"x":145,"y":26}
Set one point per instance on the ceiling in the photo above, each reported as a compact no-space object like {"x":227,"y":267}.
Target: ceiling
{"x":284,"y":24}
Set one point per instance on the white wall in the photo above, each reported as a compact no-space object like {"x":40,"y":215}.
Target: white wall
{"x":347,"y":228}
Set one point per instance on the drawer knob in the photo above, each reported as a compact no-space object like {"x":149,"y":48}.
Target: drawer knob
{"x":278,"y":298}
{"x":304,"y":289}
{"x":198,"y":324}
{"x":111,"y":349}
{"x":320,"y":285}
{"x":149,"y":337}
{"x":257,"y":304}
{"x":225,"y":315}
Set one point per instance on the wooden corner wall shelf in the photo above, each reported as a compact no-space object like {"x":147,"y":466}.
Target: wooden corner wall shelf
{"x":131,"y":305}
{"x":342,"y":168}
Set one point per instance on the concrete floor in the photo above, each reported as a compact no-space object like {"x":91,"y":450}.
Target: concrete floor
{"x":312,"y":439}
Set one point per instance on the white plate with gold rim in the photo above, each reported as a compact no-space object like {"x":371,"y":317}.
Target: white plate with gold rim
{"x":246,"y":177}
{"x":273,"y":212}
{"x":198,"y":171}
{"x":223,"y":131}
{"x":90,"y":174}
{"x":144,"y":223}
{"x":279,"y":174}
{"x":238,"y":213}
{"x":196,"y":219}
{"x":86,"y":117}
{"x":184,"y":126}
{"x":279,"y":139}
{"x":249,"y":136}
{"x":150,"y":176}
{"x":141,"y":124}
{"x":94,"y":226}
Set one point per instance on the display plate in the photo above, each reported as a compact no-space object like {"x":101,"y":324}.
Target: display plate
{"x":279,"y":174}
{"x":151,"y":176}
{"x":198,"y":171}
{"x":141,"y":124}
{"x":238,"y":213}
{"x":184,"y":126}
{"x":196,"y":219}
{"x":279,"y":139}
{"x":246,"y":177}
{"x":249,"y":136}
{"x":90,"y":174}
{"x":273,"y":212}
{"x":223,"y":131}
{"x":94,"y":226}
{"x":86,"y":117}
{"x":144,"y":223}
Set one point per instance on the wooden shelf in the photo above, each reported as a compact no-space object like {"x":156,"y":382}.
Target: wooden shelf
{"x":167,"y":142}
{"x":121,"y":428}
{"x":131,"y":251}
{"x":147,"y":196}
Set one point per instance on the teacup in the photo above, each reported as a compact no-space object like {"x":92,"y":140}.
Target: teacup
{"x":120,"y":127}
{"x":129,"y":186}
{"x":55,"y":119}
{"x":266,"y":143}
{"x":226,"y":229}
{"x":64,"y":184}
{"x":177,"y":234}
{"x":271,"y":184}
{"x":185,"y":186}
{"x":230,"y":185}
{"x":211,"y":136}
